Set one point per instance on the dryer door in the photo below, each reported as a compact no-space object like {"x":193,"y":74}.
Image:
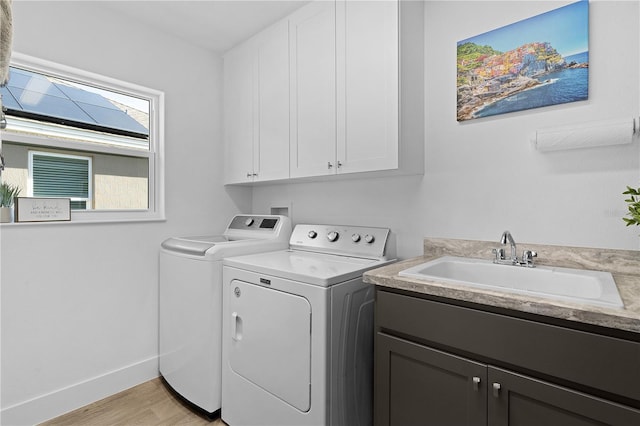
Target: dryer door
{"x":271,"y":341}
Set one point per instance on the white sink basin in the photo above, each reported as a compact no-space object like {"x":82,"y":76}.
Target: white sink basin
{"x":575,"y":285}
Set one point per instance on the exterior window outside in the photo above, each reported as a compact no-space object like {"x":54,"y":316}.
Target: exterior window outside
{"x":90,"y":138}
{"x":58,"y":175}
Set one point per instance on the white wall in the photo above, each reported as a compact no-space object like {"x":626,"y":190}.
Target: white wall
{"x":79,"y":302}
{"x":481,"y":176}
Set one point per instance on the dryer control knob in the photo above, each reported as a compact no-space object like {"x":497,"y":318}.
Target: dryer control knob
{"x":249,"y":222}
{"x":369,"y":238}
{"x":312,"y":234}
{"x":332,"y":236}
{"x":355,"y":238}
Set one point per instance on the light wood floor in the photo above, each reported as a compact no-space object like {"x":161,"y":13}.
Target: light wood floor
{"x":148,"y":404}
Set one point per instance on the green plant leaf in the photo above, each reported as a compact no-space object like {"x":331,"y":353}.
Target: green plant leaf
{"x":631,"y":190}
{"x":633,"y":206}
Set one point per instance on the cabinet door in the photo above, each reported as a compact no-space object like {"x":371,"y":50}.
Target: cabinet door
{"x":271,"y":149}
{"x":367,"y":69}
{"x":238,"y":114}
{"x":313,"y":90}
{"x":417,"y":385}
{"x":523,"y":401}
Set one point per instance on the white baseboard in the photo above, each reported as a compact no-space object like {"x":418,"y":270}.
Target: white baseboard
{"x":67,"y":399}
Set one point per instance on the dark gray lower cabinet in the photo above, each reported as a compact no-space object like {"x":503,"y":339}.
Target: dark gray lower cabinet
{"x":416,"y":384}
{"x":518,"y":400}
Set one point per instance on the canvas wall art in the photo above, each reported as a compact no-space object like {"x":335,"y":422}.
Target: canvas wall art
{"x":537,"y":62}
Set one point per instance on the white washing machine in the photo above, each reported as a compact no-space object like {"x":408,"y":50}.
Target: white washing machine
{"x":190,"y":303}
{"x":298,"y":329}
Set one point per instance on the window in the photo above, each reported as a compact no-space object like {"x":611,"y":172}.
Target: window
{"x":59,"y":175}
{"x":82,"y":136}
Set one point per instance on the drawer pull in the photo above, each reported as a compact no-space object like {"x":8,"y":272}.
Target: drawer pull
{"x":476,"y":383}
{"x":496,"y":390}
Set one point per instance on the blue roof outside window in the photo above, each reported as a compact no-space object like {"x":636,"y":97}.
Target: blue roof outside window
{"x":33,"y":95}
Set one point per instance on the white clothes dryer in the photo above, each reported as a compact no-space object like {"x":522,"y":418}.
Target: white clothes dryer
{"x":190,"y":303}
{"x":298,"y":329}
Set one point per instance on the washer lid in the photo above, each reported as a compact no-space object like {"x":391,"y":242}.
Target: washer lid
{"x":193,"y":245}
{"x":308,"y":267}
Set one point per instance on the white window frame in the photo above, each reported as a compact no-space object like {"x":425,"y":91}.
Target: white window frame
{"x":89,"y":160}
{"x":154,"y":155}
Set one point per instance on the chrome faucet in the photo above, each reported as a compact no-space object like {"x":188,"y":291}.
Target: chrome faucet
{"x":499,"y":257}
{"x":507,"y":238}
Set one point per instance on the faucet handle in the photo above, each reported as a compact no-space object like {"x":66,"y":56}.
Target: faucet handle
{"x":528,"y":256}
{"x":499,"y":254}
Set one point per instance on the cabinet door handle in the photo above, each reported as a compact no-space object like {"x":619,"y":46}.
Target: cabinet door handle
{"x":329,"y":165}
{"x":339,"y":164}
{"x":496,"y":390}
{"x":249,"y":175}
{"x":476,"y":383}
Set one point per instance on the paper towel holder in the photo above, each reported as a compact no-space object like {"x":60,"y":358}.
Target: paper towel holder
{"x":586,"y":135}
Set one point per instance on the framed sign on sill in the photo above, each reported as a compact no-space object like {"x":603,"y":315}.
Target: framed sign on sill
{"x":29,"y":209}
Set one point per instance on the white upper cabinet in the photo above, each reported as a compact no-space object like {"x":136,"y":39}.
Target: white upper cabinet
{"x":313,"y":89}
{"x":344,"y":87}
{"x":367,"y":89}
{"x":335,"y":88}
{"x":257,"y":107}
{"x":271,"y":153}
{"x":238,"y":114}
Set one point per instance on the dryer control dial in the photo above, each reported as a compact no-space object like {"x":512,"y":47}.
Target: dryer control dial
{"x":249,"y":221}
{"x":312,"y":234}
{"x":369,"y":238}
{"x":333,"y":236}
{"x":355,"y":238}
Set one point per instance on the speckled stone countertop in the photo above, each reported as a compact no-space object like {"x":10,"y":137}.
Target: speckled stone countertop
{"x":624,"y":265}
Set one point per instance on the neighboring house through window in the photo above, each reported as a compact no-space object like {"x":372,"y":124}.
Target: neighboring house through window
{"x":61,"y":175}
{"x":90,"y":138}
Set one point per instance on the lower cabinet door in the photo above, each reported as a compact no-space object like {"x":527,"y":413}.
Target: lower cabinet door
{"x":417,"y":385}
{"x":517,"y":400}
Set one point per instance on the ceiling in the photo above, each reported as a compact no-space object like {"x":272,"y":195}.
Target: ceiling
{"x":216,"y":25}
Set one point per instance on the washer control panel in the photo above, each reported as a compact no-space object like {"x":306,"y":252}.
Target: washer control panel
{"x":346,"y":240}
{"x":244,"y":226}
{"x":255,"y":223}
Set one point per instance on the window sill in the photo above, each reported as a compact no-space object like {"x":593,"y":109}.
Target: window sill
{"x":95,"y":220}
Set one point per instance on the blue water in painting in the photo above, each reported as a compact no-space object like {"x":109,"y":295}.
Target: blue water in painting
{"x":567,"y":85}
{"x":578,"y":58}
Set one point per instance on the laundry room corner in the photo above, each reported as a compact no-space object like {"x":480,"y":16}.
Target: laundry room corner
{"x":79,"y":301}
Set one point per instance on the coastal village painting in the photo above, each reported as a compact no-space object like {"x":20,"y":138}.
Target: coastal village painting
{"x":537,"y":62}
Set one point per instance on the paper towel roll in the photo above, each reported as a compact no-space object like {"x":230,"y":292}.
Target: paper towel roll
{"x":606,"y":133}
